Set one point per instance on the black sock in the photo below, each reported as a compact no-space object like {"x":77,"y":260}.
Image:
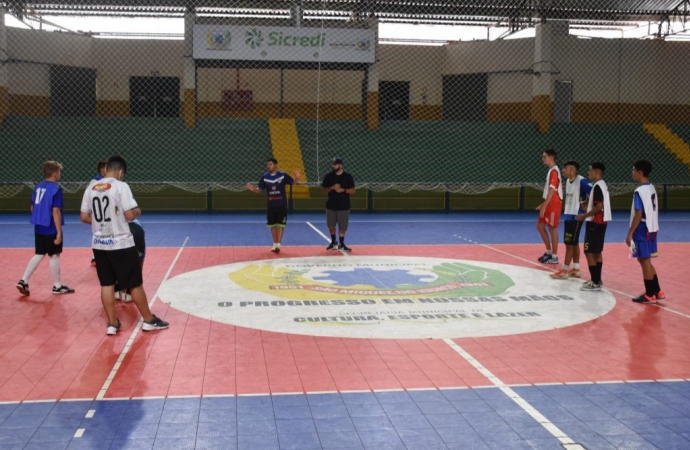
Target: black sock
{"x":599,"y":267}
{"x":649,"y":288}
{"x":657,"y":288}
{"x":342,"y":240}
{"x":333,"y":238}
{"x":596,"y":274}
{"x":593,"y":273}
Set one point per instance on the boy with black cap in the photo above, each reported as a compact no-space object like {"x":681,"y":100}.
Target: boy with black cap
{"x":339,"y":185}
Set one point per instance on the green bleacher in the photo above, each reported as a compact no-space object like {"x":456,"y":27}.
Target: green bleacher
{"x":234,"y":151}
{"x":480,"y":152}
{"x":216,"y":150}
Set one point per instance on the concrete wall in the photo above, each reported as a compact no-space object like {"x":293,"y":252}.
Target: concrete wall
{"x":613,"y":80}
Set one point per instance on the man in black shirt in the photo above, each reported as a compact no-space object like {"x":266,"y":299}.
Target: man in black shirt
{"x":339,"y":185}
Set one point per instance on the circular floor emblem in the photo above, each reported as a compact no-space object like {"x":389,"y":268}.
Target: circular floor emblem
{"x":384,"y":297}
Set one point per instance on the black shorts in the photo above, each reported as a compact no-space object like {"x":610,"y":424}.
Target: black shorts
{"x":276,"y":216}
{"x":594,"y":237}
{"x":121,"y":265}
{"x":571,"y":232}
{"x":139,"y":239}
{"x":45,"y":244}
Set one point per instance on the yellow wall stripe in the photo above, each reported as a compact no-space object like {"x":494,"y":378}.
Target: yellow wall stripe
{"x":671,"y":141}
{"x":286,"y":149}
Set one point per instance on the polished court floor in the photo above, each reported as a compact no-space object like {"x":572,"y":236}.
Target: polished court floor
{"x":264,"y":351}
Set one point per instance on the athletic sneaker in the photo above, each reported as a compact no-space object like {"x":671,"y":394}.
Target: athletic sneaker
{"x":93,"y":262}
{"x":23,"y":287}
{"x":544,"y":257}
{"x":574,"y":273}
{"x":62,"y":290}
{"x":553,"y":259}
{"x":275,"y":249}
{"x":155,"y":324}
{"x":644,"y":299}
{"x":344,"y":248}
{"x":111,"y":329}
{"x":660,"y":295}
{"x":123,"y":295}
{"x":332,"y":246}
{"x":560,"y":275}
{"x":590,"y":286}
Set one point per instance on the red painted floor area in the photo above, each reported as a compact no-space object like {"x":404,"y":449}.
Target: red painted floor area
{"x":55,"y":347}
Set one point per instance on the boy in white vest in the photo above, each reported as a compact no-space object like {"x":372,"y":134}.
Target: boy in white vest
{"x":577,"y":190}
{"x":644,"y":225}
{"x":550,"y":209}
{"x":597,"y":217}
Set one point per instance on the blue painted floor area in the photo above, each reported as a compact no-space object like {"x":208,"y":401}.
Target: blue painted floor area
{"x":654,"y":415}
{"x":171,"y":230}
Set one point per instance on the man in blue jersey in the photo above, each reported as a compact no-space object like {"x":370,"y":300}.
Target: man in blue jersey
{"x":274,"y":182}
{"x":46,"y":215}
{"x":577,"y":190}
{"x":644,"y":225}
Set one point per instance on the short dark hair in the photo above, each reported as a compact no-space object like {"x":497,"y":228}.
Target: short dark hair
{"x":273,"y":160}
{"x":551,"y":152}
{"x":117,"y":162}
{"x":598,"y":166}
{"x":102,"y":164}
{"x":575,"y":164}
{"x":643,"y":166}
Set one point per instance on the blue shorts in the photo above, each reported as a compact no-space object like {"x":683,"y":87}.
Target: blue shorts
{"x":645,"y":248}
{"x":565,"y":217}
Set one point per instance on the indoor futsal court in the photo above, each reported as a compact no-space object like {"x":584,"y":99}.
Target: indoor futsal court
{"x":437,"y":331}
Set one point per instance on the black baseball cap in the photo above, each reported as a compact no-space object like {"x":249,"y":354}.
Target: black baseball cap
{"x":337,"y":160}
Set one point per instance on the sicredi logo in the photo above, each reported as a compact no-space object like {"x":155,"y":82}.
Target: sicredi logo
{"x":254,"y":39}
{"x":384,"y":297}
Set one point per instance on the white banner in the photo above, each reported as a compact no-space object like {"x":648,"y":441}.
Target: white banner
{"x":342,"y":45}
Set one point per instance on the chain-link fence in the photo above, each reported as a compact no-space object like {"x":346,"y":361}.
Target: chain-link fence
{"x":307,"y":81}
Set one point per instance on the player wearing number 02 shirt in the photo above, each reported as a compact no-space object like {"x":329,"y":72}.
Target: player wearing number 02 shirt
{"x":644,"y":225}
{"x":108,"y":205}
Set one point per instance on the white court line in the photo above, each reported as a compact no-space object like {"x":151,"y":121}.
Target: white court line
{"x":514,"y":396}
{"x":663,"y":307}
{"x":130,"y":341}
{"x":319,"y":231}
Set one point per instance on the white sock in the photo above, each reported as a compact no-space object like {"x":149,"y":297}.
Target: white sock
{"x":274,"y":245}
{"x":565,"y":267}
{"x":277,"y":244}
{"x":31,"y":267}
{"x":548,"y":252}
{"x":576,"y":266}
{"x":55,"y":270}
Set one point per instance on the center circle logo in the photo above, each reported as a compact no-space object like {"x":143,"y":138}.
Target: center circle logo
{"x":384,"y":297}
